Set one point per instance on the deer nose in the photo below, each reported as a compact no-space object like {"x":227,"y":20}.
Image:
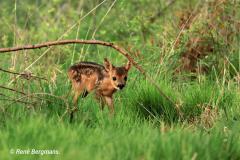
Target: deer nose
{"x":120,"y":86}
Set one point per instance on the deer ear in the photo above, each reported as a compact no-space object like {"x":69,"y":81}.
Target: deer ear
{"x":128,"y":65}
{"x":107,"y":65}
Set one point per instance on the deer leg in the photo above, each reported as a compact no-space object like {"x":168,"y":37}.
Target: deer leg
{"x":100,"y":99}
{"x":109,"y":102}
{"x":78,"y":89}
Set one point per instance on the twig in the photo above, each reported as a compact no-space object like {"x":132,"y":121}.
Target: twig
{"x":95,"y":42}
{"x":8,"y":98}
{"x":36,"y":94}
{"x":11,"y":89}
{"x":16,"y":101}
{"x":23,"y":93}
{"x":25,"y":75}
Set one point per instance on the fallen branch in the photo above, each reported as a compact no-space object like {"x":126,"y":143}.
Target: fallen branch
{"x":96,"y":42}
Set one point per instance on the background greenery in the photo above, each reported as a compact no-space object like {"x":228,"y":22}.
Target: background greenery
{"x":190,"y":49}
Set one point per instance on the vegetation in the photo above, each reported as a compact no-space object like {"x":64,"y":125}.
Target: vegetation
{"x":190,"y":49}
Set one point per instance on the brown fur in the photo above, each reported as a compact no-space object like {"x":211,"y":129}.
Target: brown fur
{"x":105,"y":80}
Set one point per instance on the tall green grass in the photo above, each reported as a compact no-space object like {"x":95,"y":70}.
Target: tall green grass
{"x":120,"y":138}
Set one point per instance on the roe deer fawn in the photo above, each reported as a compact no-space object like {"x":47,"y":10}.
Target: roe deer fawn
{"x":103,"y":79}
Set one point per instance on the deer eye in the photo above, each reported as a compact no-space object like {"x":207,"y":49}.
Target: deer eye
{"x":114,"y":78}
{"x":125,"y":78}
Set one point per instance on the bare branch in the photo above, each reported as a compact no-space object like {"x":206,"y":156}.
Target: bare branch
{"x":24,"y":75}
{"x":23,"y":93}
{"x":63,"y":42}
{"x":11,"y":89}
{"x":13,"y":100}
{"x":9,"y":98}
